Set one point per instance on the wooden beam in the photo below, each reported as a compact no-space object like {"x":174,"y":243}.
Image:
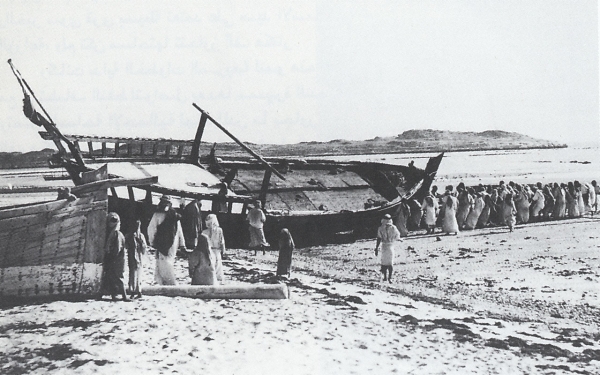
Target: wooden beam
{"x":253,"y":291}
{"x":112,"y":183}
{"x":103,"y":149}
{"x":129,"y":149}
{"x":248,"y":149}
{"x":91,"y":149}
{"x":265,"y":186}
{"x":116,"y":148}
{"x":197,"y":140}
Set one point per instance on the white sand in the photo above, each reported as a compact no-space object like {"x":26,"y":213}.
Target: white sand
{"x":520,"y":303}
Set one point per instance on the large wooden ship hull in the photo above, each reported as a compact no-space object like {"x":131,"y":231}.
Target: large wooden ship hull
{"x":52,"y":249}
{"x":319,"y":201}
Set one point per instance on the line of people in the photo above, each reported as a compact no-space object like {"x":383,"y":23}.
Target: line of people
{"x":466,"y":208}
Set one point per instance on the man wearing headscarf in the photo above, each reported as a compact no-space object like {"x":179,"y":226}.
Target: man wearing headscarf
{"x":166,"y":236}
{"x":286,"y":248}
{"x":216,"y":241}
{"x":192,"y":223}
{"x":136,"y":248}
{"x":201,"y":263}
{"x":387,"y":234}
{"x":256,"y":219}
{"x":114,"y":259}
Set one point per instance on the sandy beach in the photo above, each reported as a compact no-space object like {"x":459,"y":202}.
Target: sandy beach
{"x":483,"y":302}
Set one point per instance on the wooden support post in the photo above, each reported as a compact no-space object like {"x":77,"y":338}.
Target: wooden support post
{"x":195,"y":155}
{"x":167,"y":150}
{"x":91,"y":149}
{"x":103,"y":149}
{"x":155,"y":149}
{"x":131,"y":195}
{"x":142,"y":149}
{"x":180,"y":151}
{"x":265,"y":186}
{"x":129,"y":149}
{"x":148,"y":198}
{"x":114,"y":192}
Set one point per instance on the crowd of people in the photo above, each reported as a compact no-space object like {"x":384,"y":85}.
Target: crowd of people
{"x":170,"y":233}
{"x":466,"y":208}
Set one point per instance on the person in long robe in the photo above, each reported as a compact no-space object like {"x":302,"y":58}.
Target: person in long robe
{"x":522,"y":205}
{"x":560,"y":203}
{"x":192,"y":223}
{"x":113,"y":281}
{"x":509,"y":211}
{"x":387,"y":235}
{"x":201,"y":263}
{"x":217,"y":243}
{"x":449,"y":223}
{"x":416,"y":213}
{"x":591,"y":199}
{"x":484,"y":217}
{"x":166,"y":236}
{"x":596,"y":189}
{"x":430,"y":208}
{"x":571,"y":201}
{"x":256,"y":219}
{"x":549,"y":203}
{"x":286,"y":248}
{"x":401,"y":216}
{"x":578,"y":195}
{"x":473,"y":216}
{"x":537,"y":202}
{"x":465,"y":203}
{"x":135,"y":242}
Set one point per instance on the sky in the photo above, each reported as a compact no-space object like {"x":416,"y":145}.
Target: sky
{"x":292,"y":71}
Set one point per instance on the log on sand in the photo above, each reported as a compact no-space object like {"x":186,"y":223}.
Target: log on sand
{"x":264,"y":291}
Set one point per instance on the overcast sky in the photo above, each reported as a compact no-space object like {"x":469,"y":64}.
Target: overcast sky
{"x":284,"y":72}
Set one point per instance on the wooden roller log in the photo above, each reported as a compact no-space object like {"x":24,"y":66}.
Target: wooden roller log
{"x":263,"y":291}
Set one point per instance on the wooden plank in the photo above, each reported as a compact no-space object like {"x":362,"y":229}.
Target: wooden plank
{"x":95,"y":232}
{"x":112,"y":183}
{"x":33,"y":208}
{"x":254,"y":291}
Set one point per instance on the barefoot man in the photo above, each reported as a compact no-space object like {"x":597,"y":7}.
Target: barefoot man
{"x":387,"y":234}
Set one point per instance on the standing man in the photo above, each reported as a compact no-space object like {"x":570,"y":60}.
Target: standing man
{"x":387,"y":234}
{"x":256,"y":218}
{"x":192,"y":223}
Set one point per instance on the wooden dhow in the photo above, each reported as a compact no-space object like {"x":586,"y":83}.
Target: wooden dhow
{"x":319,"y":201}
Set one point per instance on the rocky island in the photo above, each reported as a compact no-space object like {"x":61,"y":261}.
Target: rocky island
{"x":410,"y":141}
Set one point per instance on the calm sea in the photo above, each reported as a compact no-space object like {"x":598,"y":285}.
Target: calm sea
{"x":472,"y":168}
{"x":489,"y":167}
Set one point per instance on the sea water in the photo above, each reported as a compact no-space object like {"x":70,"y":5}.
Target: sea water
{"x":489,"y":167}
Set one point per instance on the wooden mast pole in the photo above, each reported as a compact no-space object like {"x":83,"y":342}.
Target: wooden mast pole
{"x":249,"y":150}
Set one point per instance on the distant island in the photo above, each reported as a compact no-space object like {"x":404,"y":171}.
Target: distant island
{"x":410,"y":141}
